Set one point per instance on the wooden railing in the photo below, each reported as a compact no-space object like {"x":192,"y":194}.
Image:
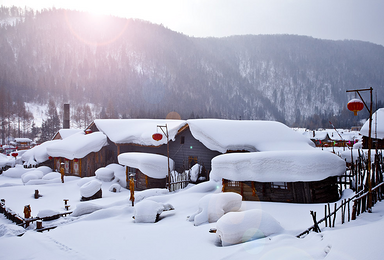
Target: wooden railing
{"x":179,"y":180}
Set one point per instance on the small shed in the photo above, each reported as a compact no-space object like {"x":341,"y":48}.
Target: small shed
{"x":281,"y":176}
{"x":148,"y":170}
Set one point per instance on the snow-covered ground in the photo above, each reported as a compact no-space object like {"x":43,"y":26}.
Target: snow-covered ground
{"x":110,"y":232}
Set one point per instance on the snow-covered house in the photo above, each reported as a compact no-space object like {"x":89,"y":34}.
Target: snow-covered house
{"x":377,"y":130}
{"x":22,"y":143}
{"x":79,"y":154}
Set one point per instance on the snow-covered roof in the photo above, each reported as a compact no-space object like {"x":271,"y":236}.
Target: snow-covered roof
{"x":138,"y":131}
{"x":251,"y":135}
{"x":152,"y":165}
{"x":77,"y":145}
{"x":64,"y":133}
{"x":37,"y":154}
{"x":277,"y":166}
{"x":377,"y":125}
{"x":23,"y":140}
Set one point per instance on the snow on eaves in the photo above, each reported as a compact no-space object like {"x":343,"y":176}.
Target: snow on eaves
{"x":138,"y":131}
{"x":77,"y":145}
{"x":38,"y":153}
{"x":277,"y":166}
{"x":152,"y":165}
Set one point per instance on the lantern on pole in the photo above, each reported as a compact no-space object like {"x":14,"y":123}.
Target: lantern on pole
{"x":355,"y":105}
{"x":157,"y":136}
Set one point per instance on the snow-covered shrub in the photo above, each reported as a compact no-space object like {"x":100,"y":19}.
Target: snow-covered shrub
{"x":16,"y":171}
{"x":148,"y":211}
{"x":115,"y":187}
{"x":214,"y":206}
{"x":89,"y":189}
{"x":44,"y":169}
{"x":105,"y":174}
{"x":239,"y":227}
{"x":195,"y":172}
{"x":32,"y":175}
{"x":51,"y":176}
{"x":85,"y":208}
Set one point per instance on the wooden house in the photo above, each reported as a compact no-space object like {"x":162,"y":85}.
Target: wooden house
{"x":79,"y":154}
{"x":377,"y":130}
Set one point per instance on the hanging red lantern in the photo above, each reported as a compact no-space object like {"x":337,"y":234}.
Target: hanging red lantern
{"x":355,"y":105}
{"x":75,"y":160}
{"x":88,"y":131}
{"x":14,"y":154}
{"x":50,"y":157}
{"x":157,"y":136}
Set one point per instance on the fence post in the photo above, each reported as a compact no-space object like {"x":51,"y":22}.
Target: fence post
{"x":354,"y":210}
{"x":315,"y":225}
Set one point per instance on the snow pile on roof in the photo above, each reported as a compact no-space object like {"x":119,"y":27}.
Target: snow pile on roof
{"x":138,"y":131}
{"x":277,"y":166}
{"x":377,"y":125}
{"x":148,"y":211}
{"x":37,"y":154}
{"x":90,"y":188}
{"x":152,"y":165}
{"x":77,"y":145}
{"x":249,"y":135}
{"x":105,"y":174}
{"x":214,"y":206}
{"x":239,"y":227}
{"x":64,"y":133}
{"x":23,"y":140}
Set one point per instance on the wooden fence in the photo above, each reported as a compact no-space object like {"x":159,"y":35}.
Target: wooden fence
{"x":179,"y":180}
{"x":355,"y":178}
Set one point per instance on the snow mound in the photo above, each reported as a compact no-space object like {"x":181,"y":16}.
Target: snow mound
{"x":84,"y":180}
{"x":32,"y":175}
{"x":239,"y":227}
{"x":105,"y":174}
{"x":51,"y":176}
{"x":47,"y":213}
{"x":90,"y":188}
{"x":148,"y":211}
{"x":214,"y":206}
{"x":10,"y":230}
{"x":15,"y":172}
{"x":195,"y":171}
{"x":44,"y":169}
{"x":115,"y":187}
{"x":85,"y":208}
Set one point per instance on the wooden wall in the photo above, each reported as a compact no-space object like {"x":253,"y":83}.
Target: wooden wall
{"x":297,"y":192}
{"x":144,"y":182}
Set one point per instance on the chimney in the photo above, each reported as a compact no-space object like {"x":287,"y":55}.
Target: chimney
{"x":66,"y":117}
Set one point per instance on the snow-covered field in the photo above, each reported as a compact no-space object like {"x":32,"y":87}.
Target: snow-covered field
{"x":110,"y":232}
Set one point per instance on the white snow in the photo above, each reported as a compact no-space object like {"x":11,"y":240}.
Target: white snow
{"x":214,"y":206}
{"x":377,"y":125}
{"x":239,"y":227}
{"x":90,"y":188}
{"x":105,"y":174}
{"x":77,"y":145}
{"x":195,"y":171}
{"x":277,"y":166}
{"x":32,"y":175}
{"x":108,"y":223}
{"x":38,"y":153}
{"x":250,"y":135}
{"x":138,"y":131}
{"x":147,"y":211}
{"x":152,"y":165}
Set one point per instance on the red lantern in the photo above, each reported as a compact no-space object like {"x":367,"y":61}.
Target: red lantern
{"x":75,"y":160}
{"x":88,"y":131}
{"x":157,"y":136}
{"x":50,"y":157}
{"x":355,"y":105}
{"x":14,"y":154}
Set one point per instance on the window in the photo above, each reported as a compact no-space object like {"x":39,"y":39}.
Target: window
{"x":279,"y":185}
{"x":233,"y":184}
{"x":182,"y":139}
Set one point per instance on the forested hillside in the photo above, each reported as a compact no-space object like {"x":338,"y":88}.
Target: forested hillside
{"x":132,"y":68}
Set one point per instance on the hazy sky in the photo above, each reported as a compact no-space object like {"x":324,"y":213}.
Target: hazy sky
{"x":326,"y":19}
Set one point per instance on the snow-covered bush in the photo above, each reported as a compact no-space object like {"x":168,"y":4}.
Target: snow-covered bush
{"x":239,"y":227}
{"x":115,"y":187}
{"x":105,"y":174}
{"x":44,"y":169}
{"x":32,"y":175}
{"x":148,"y":211}
{"x":51,"y":176}
{"x":85,"y":208}
{"x":90,"y":188}
{"x":195,"y":171}
{"x":16,"y":171}
{"x":214,"y":206}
